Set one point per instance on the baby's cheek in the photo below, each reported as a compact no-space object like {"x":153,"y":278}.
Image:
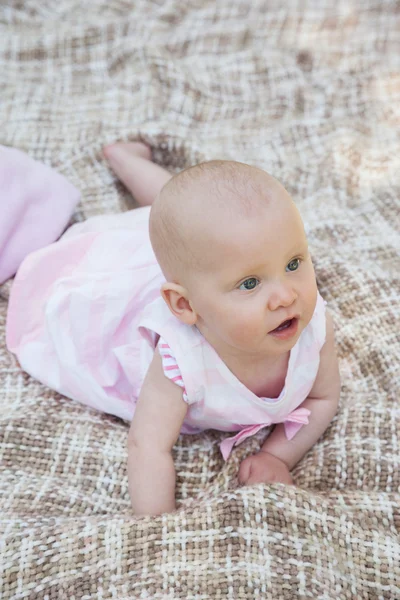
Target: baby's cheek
{"x":244,"y":329}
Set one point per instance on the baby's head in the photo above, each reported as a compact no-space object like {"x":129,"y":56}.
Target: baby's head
{"x":232,"y":247}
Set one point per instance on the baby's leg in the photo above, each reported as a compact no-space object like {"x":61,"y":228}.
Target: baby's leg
{"x":132,"y":164}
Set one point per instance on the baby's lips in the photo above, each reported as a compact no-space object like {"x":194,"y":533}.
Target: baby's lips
{"x":287,"y":332}
{"x":284,"y":321}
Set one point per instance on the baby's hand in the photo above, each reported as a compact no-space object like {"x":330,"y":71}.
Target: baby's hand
{"x":263,"y":468}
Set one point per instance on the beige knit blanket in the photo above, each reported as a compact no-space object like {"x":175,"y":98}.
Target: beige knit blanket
{"x":310,"y":91}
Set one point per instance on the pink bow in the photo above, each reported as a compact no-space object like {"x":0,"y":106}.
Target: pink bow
{"x":293,"y":422}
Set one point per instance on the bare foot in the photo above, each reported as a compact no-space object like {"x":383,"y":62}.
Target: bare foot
{"x":113,"y":151}
{"x":132,"y":164}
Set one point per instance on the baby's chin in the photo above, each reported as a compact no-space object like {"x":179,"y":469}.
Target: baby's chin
{"x":281,"y":344}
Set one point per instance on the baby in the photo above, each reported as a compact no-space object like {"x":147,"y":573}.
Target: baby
{"x":237,"y":340}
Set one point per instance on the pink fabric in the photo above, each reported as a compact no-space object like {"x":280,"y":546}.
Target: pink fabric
{"x":36,"y":203}
{"x":81,"y":300}
{"x":292,"y":423}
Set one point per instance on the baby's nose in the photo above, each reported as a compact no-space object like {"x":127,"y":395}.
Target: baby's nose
{"x":281,"y":296}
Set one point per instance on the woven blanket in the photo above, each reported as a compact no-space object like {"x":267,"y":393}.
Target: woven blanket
{"x":309,"y":91}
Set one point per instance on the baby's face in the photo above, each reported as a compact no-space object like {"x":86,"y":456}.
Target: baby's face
{"x":257,"y":291}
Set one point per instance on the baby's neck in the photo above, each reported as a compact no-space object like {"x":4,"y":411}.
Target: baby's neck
{"x":248,"y":362}
{"x":264,"y":376}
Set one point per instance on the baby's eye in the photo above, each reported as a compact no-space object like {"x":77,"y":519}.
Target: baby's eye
{"x":293,"y":265}
{"x":249,"y":284}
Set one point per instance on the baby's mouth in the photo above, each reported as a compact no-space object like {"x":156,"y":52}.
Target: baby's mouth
{"x":286,"y":330}
{"x":283,"y":325}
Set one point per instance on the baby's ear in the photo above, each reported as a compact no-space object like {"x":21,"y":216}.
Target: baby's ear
{"x":177,"y":300}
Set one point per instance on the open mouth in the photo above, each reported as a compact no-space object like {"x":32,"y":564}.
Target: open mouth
{"x":286,"y":330}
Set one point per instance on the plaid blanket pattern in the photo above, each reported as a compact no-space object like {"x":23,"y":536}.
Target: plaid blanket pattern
{"x":310,"y":92}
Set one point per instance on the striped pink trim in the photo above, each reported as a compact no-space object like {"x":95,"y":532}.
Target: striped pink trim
{"x":170,"y":366}
{"x":177,"y":378}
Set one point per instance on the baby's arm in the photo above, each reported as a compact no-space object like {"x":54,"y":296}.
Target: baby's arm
{"x":278,"y":455}
{"x":158,"y":418}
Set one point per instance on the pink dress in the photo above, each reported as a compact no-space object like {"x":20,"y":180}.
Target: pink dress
{"x":85,"y":316}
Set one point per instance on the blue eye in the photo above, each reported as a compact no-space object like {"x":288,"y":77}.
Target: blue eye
{"x":293,"y":265}
{"x":249,"y":284}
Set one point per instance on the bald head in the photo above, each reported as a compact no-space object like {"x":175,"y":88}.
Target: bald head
{"x":195,"y":204}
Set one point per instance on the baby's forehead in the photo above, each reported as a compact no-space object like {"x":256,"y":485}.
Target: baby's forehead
{"x":230,"y":235}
